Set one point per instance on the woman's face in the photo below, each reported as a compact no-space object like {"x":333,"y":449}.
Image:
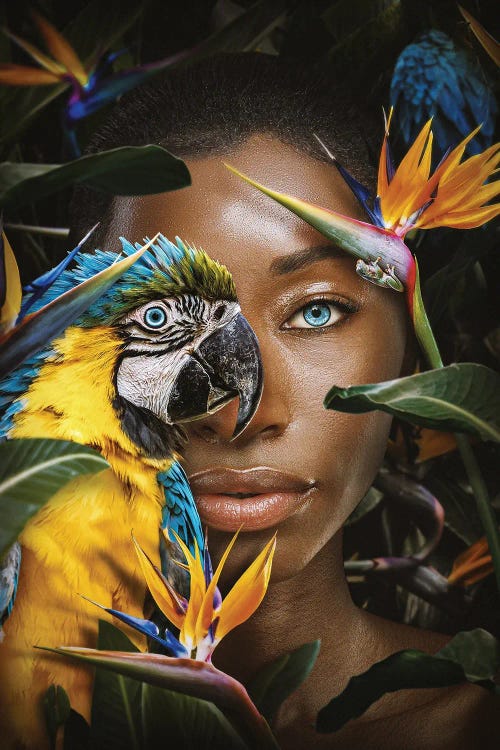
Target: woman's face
{"x":318,"y":325}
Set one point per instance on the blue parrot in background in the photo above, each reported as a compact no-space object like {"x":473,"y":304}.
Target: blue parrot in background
{"x":434,"y":78}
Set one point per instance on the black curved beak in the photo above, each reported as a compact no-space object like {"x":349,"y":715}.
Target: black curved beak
{"x":225,"y":365}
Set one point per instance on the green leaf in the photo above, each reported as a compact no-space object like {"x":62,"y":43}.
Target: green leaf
{"x":278,"y":680}
{"x":116,"y":700}
{"x":128,"y":170}
{"x":56,"y":708}
{"x":458,"y":398}
{"x":246,"y":31}
{"x":76,"y":732}
{"x":188,"y":723}
{"x":189,"y":677}
{"x":472,"y":656}
{"x":31,"y":471}
{"x":477,"y":651}
{"x":367,"y":503}
{"x":38,"y":328}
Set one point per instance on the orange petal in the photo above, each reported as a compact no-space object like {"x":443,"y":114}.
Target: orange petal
{"x":35,"y":53}
{"x":408,"y":180}
{"x":23,"y":75}
{"x":382,"y":181}
{"x":488,"y":42}
{"x":247,"y":593}
{"x":196,"y":592}
{"x":432,"y":443}
{"x":472,"y":564}
{"x":61,"y":49}
{"x":206,"y":614}
{"x":160,"y":589}
{"x":462,"y":220}
{"x":11,"y":304}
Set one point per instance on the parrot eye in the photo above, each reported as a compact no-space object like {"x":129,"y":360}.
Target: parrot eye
{"x":155,"y":317}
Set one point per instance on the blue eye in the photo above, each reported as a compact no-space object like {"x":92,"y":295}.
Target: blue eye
{"x":317,"y":313}
{"x":155,"y":317}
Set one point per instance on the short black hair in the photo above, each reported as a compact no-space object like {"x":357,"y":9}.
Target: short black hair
{"x":213,"y":105}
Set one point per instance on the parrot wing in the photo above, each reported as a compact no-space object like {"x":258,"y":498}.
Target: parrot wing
{"x":9,"y":575}
{"x":179,"y":512}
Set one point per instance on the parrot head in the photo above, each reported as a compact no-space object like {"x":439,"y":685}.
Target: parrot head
{"x":182,"y":349}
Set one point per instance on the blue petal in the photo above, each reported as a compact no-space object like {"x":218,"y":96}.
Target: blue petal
{"x":106,"y":90}
{"x":360,"y":191}
{"x":148,"y":628}
{"x":39,"y":286}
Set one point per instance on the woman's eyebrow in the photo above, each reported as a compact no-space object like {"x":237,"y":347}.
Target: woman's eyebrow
{"x":303,"y":257}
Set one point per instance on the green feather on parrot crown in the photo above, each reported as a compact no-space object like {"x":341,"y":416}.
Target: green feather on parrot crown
{"x":165,"y":269}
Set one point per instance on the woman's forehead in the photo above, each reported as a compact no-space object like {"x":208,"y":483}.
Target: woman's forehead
{"x":231,"y":220}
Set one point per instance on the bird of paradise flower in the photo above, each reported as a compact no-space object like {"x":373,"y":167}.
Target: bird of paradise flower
{"x":202,"y":621}
{"x":92,"y":86}
{"x":205,"y":618}
{"x":456,"y":194}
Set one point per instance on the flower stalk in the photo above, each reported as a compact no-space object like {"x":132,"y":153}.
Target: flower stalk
{"x":427,"y":341}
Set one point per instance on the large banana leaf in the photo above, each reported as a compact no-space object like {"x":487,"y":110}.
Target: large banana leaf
{"x":199,"y":680}
{"x":127,"y":714}
{"x":31,"y":471}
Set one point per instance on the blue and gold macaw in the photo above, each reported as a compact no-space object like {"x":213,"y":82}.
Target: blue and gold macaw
{"x":165,"y":344}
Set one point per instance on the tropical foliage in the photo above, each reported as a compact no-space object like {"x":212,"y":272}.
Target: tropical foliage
{"x":433,"y":549}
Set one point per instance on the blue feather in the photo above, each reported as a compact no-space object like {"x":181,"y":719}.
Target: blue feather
{"x":39,"y":286}
{"x":9,"y":576}
{"x":179,"y":512}
{"x":161,"y":256}
{"x":434,"y":78}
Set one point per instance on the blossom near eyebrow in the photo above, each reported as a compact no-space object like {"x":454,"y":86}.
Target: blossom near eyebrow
{"x":304,"y":257}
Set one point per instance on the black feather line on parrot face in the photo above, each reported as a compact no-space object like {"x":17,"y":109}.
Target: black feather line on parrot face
{"x":153,"y":437}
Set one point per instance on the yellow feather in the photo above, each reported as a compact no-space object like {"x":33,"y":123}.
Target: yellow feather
{"x":79,"y":542}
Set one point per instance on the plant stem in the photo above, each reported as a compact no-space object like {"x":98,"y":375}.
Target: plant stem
{"x":486,"y":512}
{"x":425,"y":336}
{"x":34,"y":229}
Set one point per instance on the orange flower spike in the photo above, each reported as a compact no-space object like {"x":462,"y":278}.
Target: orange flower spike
{"x":472,"y":565}
{"x":398,"y":200}
{"x":167,"y":600}
{"x":241,"y":602}
{"x":61,"y":50}
{"x":247,"y":593}
{"x":63,"y":65}
{"x":454,"y":195}
{"x":206,"y":614}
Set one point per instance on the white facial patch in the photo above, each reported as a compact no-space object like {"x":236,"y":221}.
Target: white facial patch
{"x":159,"y":338}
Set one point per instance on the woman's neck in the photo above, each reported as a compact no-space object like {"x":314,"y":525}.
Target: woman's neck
{"x":314,"y":604}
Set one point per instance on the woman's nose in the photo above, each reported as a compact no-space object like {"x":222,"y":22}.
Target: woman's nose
{"x":271,"y":418}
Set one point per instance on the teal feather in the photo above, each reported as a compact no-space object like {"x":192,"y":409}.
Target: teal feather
{"x":179,"y":512}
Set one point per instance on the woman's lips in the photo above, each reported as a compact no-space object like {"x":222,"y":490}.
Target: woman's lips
{"x":256,"y":498}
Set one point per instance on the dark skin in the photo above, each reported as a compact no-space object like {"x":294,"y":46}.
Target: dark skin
{"x":280,"y":265}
